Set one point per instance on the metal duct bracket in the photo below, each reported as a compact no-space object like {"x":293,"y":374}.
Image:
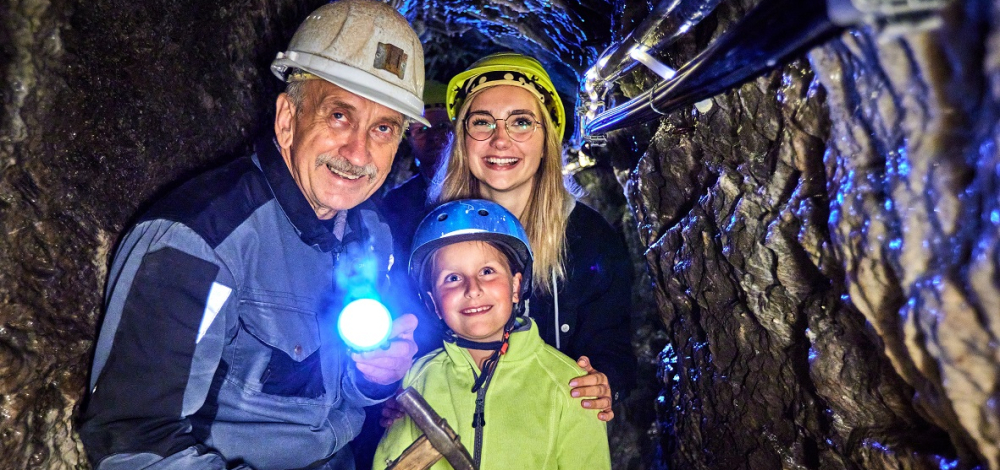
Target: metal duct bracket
{"x":890,"y":18}
{"x":770,"y":33}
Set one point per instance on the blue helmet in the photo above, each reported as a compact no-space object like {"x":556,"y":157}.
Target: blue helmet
{"x":471,"y":219}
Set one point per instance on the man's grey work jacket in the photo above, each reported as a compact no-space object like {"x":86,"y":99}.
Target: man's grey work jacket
{"x":218,"y":347}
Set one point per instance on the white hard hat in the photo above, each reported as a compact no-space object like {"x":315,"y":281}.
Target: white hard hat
{"x":365,"y":47}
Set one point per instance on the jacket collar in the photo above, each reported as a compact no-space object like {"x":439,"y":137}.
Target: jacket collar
{"x":524,"y":344}
{"x":293,"y":203}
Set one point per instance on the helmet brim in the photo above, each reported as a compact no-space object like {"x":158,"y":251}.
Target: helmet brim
{"x":356,"y":81}
{"x":513,"y":249}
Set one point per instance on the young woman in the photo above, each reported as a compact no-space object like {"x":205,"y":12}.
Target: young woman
{"x":509,"y":124}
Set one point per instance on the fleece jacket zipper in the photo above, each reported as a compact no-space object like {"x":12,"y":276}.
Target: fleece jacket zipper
{"x":479,"y":418}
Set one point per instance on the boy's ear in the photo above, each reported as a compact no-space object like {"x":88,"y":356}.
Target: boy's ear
{"x":516,"y":284}
{"x":431,"y":305}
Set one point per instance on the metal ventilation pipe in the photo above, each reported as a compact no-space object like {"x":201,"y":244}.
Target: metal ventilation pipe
{"x":669,"y":20}
{"x":770,"y":33}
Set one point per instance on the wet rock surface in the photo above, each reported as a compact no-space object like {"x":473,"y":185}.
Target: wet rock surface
{"x":822,"y":243}
{"x":823,"y":253}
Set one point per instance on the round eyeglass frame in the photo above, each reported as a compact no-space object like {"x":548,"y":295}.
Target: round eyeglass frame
{"x":527,"y":136}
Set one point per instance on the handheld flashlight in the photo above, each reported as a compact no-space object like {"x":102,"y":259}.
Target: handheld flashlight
{"x":364,"y":324}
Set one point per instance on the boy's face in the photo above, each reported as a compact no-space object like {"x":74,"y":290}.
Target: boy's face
{"x":473,"y":289}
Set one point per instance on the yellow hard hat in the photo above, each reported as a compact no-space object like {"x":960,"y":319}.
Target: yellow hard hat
{"x":434,"y":94}
{"x":507,"y":68}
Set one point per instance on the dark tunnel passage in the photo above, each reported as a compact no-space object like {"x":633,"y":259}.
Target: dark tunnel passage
{"x":808,"y":191}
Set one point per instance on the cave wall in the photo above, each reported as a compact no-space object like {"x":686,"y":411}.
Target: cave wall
{"x":821,"y":243}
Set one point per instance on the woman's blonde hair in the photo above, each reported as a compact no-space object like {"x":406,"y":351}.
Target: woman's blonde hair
{"x":545,"y":216}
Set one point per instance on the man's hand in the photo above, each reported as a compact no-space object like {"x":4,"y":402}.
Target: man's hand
{"x":595,"y":386}
{"x":386,"y":366}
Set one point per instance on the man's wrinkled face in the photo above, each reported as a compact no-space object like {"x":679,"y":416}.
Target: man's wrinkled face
{"x":338,"y":146}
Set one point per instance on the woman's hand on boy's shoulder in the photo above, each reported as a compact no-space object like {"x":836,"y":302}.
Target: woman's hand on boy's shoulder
{"x":594,"y":389}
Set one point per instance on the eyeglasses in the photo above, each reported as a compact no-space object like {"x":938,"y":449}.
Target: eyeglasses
{"x":481,"y":125}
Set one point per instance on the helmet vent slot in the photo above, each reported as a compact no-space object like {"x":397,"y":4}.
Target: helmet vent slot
{"x":484,"y":212}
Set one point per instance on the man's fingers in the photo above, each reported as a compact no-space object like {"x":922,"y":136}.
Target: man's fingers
{"x":584,"y":363}
{"x":403,"y":327}
{"x":397,"y":348}
{"x":607,"y":415}
{"x":378,"y":375}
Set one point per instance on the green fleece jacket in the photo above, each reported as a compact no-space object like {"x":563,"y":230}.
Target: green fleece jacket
{"x":531,"y":420}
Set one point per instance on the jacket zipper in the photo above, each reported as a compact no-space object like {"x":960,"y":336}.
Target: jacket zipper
{"x":479,"y":418}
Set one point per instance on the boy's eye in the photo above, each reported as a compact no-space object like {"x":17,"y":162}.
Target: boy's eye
{"x":487,"y":271}
{"x":451,"y":278}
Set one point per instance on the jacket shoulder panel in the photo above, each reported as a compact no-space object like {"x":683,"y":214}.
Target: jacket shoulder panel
{"x":215,"y":203}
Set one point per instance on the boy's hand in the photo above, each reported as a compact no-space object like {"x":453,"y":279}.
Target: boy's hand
{"x":391,"y":411}
{"x":389,"y":365}
{"x":594,"y":384}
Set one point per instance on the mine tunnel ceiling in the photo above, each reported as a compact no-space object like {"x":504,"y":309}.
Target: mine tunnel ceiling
{"x":574,"y":42}
{"x":565,"y":36}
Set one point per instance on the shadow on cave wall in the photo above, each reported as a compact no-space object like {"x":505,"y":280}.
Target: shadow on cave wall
{"x":821,"y":242}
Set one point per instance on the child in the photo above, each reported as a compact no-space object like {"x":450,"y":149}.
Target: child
{"x":499,"y":386}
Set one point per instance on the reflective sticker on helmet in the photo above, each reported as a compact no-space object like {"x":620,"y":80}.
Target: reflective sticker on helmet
{"x":391,"y":59}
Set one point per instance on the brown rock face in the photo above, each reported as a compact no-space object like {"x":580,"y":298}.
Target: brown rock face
{"x":823,"y":243}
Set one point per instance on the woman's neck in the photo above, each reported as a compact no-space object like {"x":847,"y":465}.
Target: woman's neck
{"x":515,"y":200}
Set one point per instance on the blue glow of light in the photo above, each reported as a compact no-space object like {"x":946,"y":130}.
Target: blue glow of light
{"x":948,"y":464}
{"x":895,"y":243}
{"x":995,"y":216}
{"x":879,"y":446}
{"x":904,"y":163}
{"x":364,"y":324}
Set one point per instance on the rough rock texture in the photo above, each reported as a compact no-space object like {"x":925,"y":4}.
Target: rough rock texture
{"x":823,"y":241}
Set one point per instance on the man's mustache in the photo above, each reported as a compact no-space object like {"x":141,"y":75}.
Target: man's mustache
{"x":342,"y":166}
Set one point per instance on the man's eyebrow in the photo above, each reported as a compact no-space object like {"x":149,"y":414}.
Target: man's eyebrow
{"x":336,"y":103}
{"x":398,"y":120}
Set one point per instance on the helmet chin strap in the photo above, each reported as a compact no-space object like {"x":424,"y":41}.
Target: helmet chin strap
{"x":499,"y":348}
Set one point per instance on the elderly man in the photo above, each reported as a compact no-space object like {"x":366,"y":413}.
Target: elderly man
{"x":218,"y":348}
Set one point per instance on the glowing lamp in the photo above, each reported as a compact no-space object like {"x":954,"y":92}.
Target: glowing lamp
{"x":364,"y":324}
